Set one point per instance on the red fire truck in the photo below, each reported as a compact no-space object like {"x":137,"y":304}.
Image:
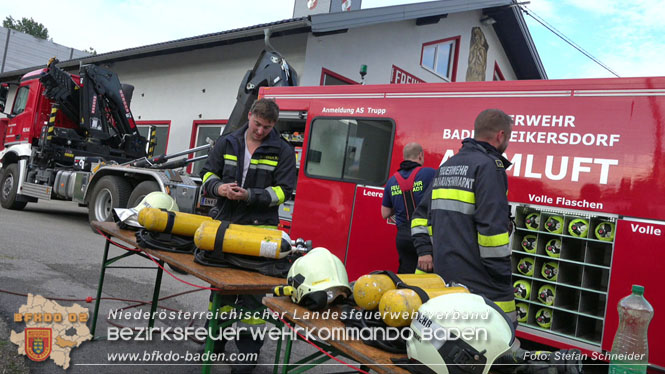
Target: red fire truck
{"x":588,"y":178}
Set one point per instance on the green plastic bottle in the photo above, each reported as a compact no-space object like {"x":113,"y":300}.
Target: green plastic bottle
{"x":630,"y":349}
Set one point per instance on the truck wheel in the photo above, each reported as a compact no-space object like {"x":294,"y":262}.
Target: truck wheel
{"x":9,"y":187}
{"x":140,"y":191}
{"x":109,"y":193}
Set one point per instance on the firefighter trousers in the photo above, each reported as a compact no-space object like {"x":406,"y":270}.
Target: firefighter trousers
{"x":408,"y":257}
{"x":245,"y":341}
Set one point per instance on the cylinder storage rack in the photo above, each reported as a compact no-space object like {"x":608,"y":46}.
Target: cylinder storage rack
{"x":561,"y":269}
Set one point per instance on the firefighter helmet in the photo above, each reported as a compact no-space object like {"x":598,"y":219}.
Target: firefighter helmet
{"x":544,"y":317}
{"x":522,"y":289}
{"x":546,"y":294}
{"x":578,"y":227}
{"x":532,"y":221}
{"x":605,"y":231}
{"x":550,"y":270}
{"x":522,"y":310}
{"x":525,"y":266}
{"x":432,"y":344}
{"x":554,"y":224}
{"x":318,"y":278}
{"x":156,"y":199}
{"x":529,"y":243}
{"x":553,"y":248}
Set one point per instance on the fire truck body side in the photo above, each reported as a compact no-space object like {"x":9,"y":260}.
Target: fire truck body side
{"x":581,"y":149}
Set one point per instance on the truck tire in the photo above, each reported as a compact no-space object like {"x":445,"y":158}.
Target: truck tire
{"x":140,"y":191}
{"x":109,"y":193}
{"x":8,"y":188}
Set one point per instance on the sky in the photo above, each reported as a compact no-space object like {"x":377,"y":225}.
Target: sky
{"x":628,"y":36}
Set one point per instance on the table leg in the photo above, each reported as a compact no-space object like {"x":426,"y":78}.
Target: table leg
{"x":278,"y":354}
{"x":100,"y":285}
{"x":212,"y":329}
{"x":155,"y":294}
{"x":287,"y":354}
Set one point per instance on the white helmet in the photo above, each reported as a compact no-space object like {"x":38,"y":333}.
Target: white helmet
{"x":157,"y":200}
{"x":318,"y":279}
{"x":459,"y":329}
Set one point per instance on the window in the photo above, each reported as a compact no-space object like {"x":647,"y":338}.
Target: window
{"x":353,"y":150}
{"x":498,"y":75}
{"x":440,"y":57}
{"x":21,"y":100}
{"x":162,"y":134}
{"x":202,"y":130}
{"x":330,"y":78}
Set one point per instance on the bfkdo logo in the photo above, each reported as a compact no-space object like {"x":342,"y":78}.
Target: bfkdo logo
{"x":51,"y":331}
{"x":38,"y":343}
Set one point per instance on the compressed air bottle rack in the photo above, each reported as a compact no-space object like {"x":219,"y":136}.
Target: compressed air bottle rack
{"x":564,"y":259}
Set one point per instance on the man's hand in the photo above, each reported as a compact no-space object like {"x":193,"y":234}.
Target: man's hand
{"x":386,"y":212}
{"x":232,"y":191}
{"x":237,"y":193}
{"x":224,"y":189}
{"x":425,"y":263}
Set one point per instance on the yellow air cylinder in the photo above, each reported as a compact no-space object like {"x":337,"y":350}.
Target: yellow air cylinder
{"x":240,"y":239}
{"x":184,"y":224}
{"x":369,"y":288}
{"x":398,"y":307}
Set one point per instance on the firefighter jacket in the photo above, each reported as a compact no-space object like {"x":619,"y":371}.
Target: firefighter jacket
{"x":466,"y":212}
{"x":270,"y":179}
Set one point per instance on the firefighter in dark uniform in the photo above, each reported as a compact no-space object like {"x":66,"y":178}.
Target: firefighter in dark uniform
{"x":468,"y":214}
{"x":251,"y":172}
{"x":401,"y":196}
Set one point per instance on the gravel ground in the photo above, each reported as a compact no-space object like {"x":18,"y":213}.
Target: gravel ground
{"x":10,"y":361}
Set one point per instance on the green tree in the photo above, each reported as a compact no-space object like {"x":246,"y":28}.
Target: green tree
{"x":26,"y":25}
{"x":91,"y":50}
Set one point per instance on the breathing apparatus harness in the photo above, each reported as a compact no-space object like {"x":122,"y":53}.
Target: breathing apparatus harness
{"x":274,"y":267}
{"x":165,"y":241}
{"x":161,"y":225}
{"x":406,"y":186}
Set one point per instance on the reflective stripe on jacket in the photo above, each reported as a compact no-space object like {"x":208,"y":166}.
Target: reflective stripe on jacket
{"x":468,"y":212}
{"x":270,"y":178}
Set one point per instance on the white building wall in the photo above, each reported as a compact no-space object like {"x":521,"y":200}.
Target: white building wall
{"x":495,"y":53}
{"x":171,"y":87}
{"x":399,"y":43}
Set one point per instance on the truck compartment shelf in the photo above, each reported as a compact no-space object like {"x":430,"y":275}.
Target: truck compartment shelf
{"x":568,"y":244}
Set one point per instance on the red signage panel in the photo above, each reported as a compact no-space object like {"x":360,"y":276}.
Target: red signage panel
{"x":401,"y":76}
{"x":638,"y":251}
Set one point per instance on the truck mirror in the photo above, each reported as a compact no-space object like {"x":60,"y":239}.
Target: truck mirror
{"x":4,"y":91}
